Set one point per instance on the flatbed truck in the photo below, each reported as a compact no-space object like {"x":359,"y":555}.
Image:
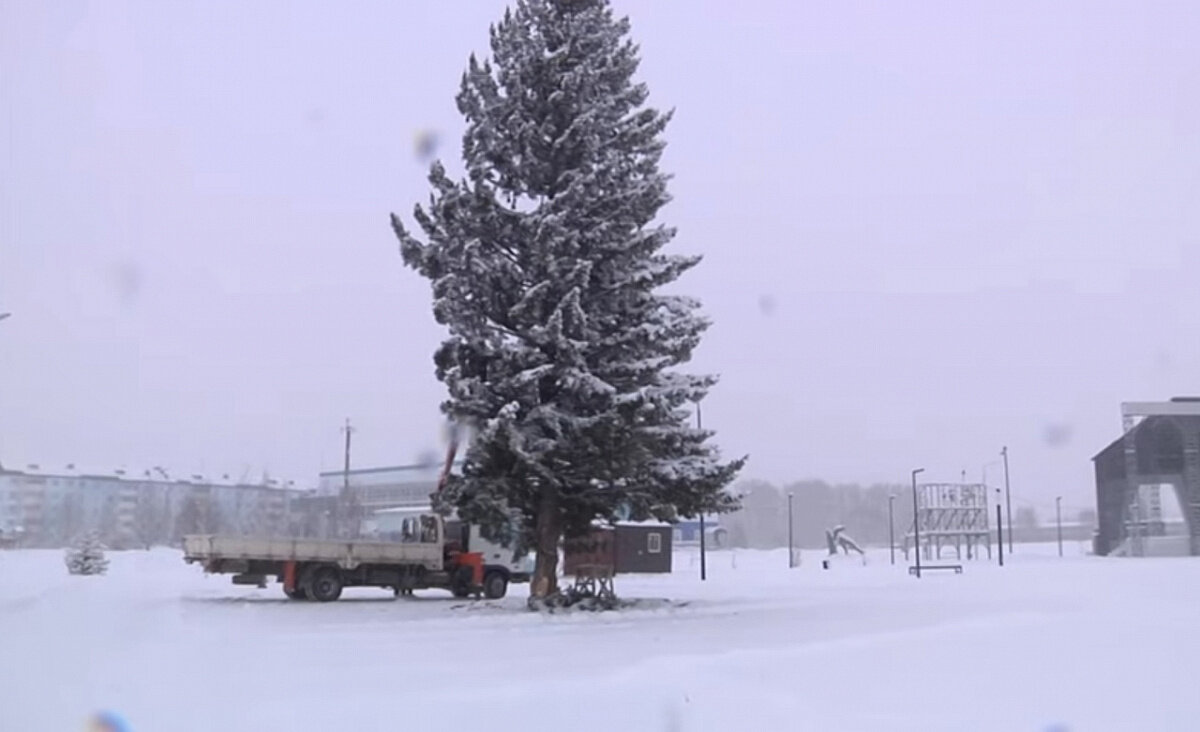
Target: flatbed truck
{"x":428,"y":552}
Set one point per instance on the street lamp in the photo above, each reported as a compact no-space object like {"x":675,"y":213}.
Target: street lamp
{"x":703,"y":566}
{"x":917,"y":520}
{"x":791,"y":543}
{"x":892,"y":526}
{"x":1058,"y":521}
{"x":999,"y":531}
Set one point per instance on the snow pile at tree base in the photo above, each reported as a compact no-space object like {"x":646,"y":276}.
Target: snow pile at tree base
{"x":572,"y":600}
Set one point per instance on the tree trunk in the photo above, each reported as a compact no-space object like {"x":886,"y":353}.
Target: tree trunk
{"x":549,"y":532}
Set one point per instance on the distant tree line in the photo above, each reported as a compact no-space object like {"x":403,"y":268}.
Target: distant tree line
{"x":817,"y":506}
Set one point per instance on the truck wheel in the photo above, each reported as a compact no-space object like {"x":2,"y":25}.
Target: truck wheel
{"x":326,"y":585}
{"x":495,"y":585}
{"x":295,"y":593}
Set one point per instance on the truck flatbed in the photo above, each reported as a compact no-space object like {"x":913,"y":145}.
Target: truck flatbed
{"x":207,"y":548}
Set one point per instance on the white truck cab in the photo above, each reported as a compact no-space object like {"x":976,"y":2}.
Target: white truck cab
{"x":500,"y":567}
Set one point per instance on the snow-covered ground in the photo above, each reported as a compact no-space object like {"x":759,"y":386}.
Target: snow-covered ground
{"x":1080,"y":643}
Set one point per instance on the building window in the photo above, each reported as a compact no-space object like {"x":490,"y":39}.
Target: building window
{"x":654,"y":542}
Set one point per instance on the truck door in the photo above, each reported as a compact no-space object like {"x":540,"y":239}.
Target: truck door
{"x":497,"y":555}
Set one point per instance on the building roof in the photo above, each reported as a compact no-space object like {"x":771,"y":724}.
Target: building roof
{"x":1177,"y":407}
{"x":140,"y":475}
{"x":404,"y":509}
{"x":1146,"y":422}
{"x":415,"y":468}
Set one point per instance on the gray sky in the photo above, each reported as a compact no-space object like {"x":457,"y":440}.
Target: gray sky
{"x":929,"y":229}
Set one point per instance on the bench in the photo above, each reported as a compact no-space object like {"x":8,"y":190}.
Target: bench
{"x":916,"y":571}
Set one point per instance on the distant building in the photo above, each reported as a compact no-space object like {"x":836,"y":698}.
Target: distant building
{"x":687,"y":532}
{"x":398,"y":486}
{"x":49,"y":508}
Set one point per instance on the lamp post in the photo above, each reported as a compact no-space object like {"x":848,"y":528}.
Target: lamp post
{"x":1007,"y":499}
{"x":892,"y":527}
{"x":999,"y":531}
{"x":1058,"y":521}
{"x":703,"y":565}
{"x":791,"y":542}
{"x":916,"y":520}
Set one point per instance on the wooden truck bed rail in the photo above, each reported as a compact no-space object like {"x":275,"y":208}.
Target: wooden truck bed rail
{"x":207,"y":548}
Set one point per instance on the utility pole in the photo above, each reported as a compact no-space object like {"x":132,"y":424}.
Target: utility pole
{"x":892,"y":527}
{"x":1058,"y":520}
{"x":791,"y":543}
{"x":703,"y":565}
{"x":1007,"y":498}
{"x":917,"y":520}
{"x":347,"y":430}
{"x":347,"y":501}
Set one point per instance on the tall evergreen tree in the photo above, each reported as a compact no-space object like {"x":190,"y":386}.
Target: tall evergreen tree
{"x":546,"y":267}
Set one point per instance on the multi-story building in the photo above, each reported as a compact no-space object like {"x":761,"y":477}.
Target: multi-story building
{"x":135,"y":508}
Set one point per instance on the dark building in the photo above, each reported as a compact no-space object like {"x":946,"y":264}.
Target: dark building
{"x":1160,"y":446}
{"x":628,"y":548}
{"x":643,"y":547}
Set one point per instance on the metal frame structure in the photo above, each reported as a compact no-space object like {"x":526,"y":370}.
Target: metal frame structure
{"x":1159,"y":445}
{"x":951,"y":515}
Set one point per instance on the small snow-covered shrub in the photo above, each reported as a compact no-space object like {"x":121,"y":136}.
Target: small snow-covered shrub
{"x":87,"y":556}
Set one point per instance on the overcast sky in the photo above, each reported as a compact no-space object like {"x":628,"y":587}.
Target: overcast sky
{"x":929,"y":229}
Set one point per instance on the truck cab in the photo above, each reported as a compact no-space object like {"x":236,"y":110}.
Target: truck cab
{"x":500,"y":566}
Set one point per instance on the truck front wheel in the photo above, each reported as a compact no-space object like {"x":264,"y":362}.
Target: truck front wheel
{"x":495,"y":585}
{"x":326,"y":585}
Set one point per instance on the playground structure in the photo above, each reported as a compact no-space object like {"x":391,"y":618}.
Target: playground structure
{"x":836,"y":538}
{"x":951,"y":515}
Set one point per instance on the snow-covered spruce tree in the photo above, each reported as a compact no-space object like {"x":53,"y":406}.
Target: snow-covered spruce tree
{"x":546,"y":266}
{"x":87,"y":556}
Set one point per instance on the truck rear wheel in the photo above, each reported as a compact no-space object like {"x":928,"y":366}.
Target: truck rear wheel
{"x":295,"y":593}
{"x":495,"y":585}
{"x":326,"y":585}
